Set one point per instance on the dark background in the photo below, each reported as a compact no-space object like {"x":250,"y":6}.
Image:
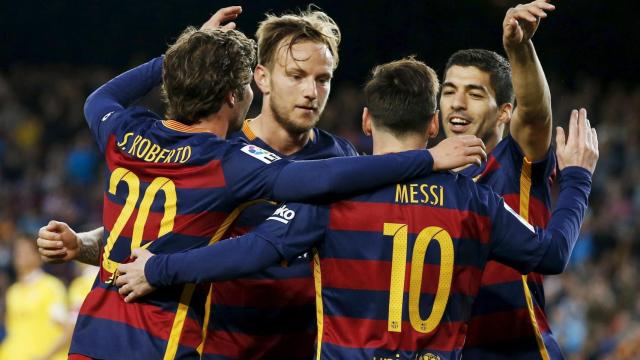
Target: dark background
{"x":595,"y":38}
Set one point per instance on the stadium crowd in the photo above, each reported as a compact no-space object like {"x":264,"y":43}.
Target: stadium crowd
{"x":50,"y":169}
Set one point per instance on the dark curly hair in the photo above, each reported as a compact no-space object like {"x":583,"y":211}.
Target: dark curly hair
{"x":200,"y":69}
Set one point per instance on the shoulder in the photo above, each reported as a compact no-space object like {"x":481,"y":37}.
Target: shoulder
{"x":342,"y":146}
{"x":51,"y":283}
{"x":241,"y":152}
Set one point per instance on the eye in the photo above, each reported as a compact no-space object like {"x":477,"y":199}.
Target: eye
{"x":476,"y":95}
{"x":324,"y":81}
{"x":448,"y":92}
{"x":296,"y":77}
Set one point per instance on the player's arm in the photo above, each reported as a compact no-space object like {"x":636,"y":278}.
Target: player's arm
{"x":547,"y":251}
{"x":289,"y":232}
{"x":531,"y":123}
{"x":119,"y":93}
{"x":126,"y":88}
{"x":285,"y":180}
{"x":57,"y":242}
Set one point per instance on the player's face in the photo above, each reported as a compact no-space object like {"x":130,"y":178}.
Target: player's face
{"x":299,"y":85}
{"x":25,"y":258}
{"x":242,"y":107}
{"x":468,"y":104}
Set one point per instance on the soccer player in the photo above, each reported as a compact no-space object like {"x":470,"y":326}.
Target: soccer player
{"x":177,"y":184}
{"x":396,"y":269}
{"x":271,"y":314}
{"x":508,"y":320}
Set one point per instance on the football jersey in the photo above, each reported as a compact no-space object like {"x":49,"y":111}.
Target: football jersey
{"x":395,"y":270}
{"x":508,"y":319}
{"x":270,"y":314}
{"x":170,"y":187}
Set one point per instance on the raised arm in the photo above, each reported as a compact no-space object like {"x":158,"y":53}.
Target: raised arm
{"x":547,"y":251}
{"x":119,"y":92}
{"x":531,"y":123}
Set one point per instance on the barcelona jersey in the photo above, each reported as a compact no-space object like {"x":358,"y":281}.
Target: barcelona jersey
{"x":396,"y":270}
{"x":168,"y":188}
{"x":270,"y":314}
{"x":508,"y":319}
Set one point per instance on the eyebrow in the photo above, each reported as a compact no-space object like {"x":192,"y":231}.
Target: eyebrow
{"x":468,"y":86}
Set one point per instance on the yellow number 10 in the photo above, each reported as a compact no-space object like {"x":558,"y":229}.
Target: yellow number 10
{"x":398,"y":267}
{"x":133,"y":183}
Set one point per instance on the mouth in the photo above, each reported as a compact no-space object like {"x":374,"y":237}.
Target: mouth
{"x":307,"y":108}
{"x":459,"y":125}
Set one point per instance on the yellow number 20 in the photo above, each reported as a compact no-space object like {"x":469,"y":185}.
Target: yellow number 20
{"x":133,"y":183}
{"x":398,"y":267}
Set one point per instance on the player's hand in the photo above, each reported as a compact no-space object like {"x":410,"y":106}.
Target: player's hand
{"x":457,"y":152}
{"x":521,"y":22}
{"x":222,"y":16}
{"x":580,"y":148}
{"x":57,"y":242}
{"x":131,"y":280}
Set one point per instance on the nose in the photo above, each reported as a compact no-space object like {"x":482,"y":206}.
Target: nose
{"x":310,"y":90}
{"x":459,"y":101}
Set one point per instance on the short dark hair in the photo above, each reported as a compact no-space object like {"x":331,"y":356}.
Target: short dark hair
{"x":401,"y":95}
{"x":490,"y":62}
{"x":200,"y":69}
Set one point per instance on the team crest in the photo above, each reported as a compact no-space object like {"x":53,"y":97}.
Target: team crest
{"x":428,"y":356}
{"x":260,"y":154}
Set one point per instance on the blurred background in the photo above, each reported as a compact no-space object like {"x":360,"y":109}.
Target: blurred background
{"x":55,"y":53}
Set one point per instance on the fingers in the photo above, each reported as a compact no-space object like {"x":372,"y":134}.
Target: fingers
{"x":475,"y":147}
{"x":49,"y":238}
{"x":56,"y":226}
{"x":122,"y":269}
{"x":524,"y":14}
{"x":544,"y":4}
{"x":229,"y":26}
{"x":124,"y":290}
{"x":583,"y":128}
{"x":572,"y":137}
{"x":476,"y":152}
{"x":594,"y":137}
{"x":532,"y":12}
{"x":131,"y":297}
{"x":560,"y":138}
{"x":55,"y":253}
{"x":227,"y":14}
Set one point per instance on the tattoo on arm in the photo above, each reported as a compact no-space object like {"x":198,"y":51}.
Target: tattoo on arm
{"x":89,"y":246}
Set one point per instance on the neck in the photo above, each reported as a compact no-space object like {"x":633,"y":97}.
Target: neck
{"x":28,"y":274}
{"x":215,"y":123}
{"x":384,"y":142}
{"x":268,"y":129}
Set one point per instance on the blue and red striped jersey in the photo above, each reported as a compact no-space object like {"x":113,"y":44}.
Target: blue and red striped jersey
{"x":508,"y":318}
{"x":171,"y":187}
{"x":396,"y":270}
{"x":269,"y":314}
{"x":168,"y":188}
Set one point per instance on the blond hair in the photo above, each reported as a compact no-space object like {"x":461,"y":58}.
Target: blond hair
{"x":276,"y":32}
